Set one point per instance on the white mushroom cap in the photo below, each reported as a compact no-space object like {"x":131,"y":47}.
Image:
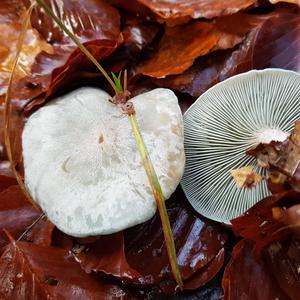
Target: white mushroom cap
{"x":226,"y":121}
{"x":82,"y":165}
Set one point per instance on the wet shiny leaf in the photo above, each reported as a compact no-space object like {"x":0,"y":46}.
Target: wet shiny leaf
{"x":34,"y":272}
{"x":274,"y":43}
{"x":181,"y":45}
{"x":249,"y":279}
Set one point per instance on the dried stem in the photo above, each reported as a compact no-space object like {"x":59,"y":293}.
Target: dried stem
{"x":159,"y":198}
{"x":7,"y":111}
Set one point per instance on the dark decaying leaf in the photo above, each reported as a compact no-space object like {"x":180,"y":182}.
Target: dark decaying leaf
{"x":181,"y":11}
{"x":283,"y":261}
{"x":182,"y":44}
{"x":258,"y":223}
{"x":249,"y":279}
{"x":30,"y":271}
{"x":275,"y":43}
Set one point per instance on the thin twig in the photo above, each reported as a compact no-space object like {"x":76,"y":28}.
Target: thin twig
{"x":31,"y":226}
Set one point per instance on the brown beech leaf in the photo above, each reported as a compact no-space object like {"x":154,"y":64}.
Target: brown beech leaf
{"x":207,"y":273}
{"x":138,"y":32}
{"x":16,"y":213}
{"x":287,"y":1}
{"x":30,"y":271}
{"x":274,"y":43}
{"x":289,"y":216}
{"x":258,"y":223}
{"x":249,"y":279}
{"x":94,"y":22}
{"x":197,"y":241}
{"x":282,"y":160}
{"x":283,"y":260}
{"x":182,"y":44}
{"x":107,"y":255}
{"x":181,"y":11}
{"x":10,"y":28}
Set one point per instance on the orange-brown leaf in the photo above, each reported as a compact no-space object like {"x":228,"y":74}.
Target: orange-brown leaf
{"x":182,"y":44}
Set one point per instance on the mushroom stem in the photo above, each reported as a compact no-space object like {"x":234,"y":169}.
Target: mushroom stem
{"x":268,"y":135}
{"x":159,"y":198}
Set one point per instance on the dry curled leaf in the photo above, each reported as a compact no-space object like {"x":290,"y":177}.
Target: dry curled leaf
{"x":282,"y":160}
{"x":246,"y":177}
{"x":249,"y":279}
{"x":182,"y":44}
{"x":273,"y":43}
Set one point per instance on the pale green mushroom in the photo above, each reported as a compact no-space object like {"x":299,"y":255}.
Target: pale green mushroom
{"x":231,"y":117}
{"x":82,"y":165}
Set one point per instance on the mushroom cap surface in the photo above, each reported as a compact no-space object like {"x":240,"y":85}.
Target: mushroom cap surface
{"x":226,"y":121}
{"x":82,"y":165}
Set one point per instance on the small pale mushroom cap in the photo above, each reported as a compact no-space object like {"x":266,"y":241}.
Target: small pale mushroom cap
{"x":226,"y":121}
{"x":82,"y":165}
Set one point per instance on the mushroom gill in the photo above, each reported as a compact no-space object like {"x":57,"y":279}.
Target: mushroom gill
{"x":226,"y":121}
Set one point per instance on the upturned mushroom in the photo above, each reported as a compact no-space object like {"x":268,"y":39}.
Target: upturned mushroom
{"x":226,"y":121}
{"x":82,"y":165}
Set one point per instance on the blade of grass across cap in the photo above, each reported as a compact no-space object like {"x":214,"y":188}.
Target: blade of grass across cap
{"x":159,"y":198}
{"x":8,"y":108}
{"x":152,"y":177}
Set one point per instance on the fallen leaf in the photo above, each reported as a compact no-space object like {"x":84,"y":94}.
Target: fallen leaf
{"x":181,"y":11}
{"x":207,"y":273}
{"x":94,"y":23}
{"x":249,"y":279}
{"x":283,"y":260}
{"x":34,"y":272}
{"x":274,"y":43}
{"x":16,"y":213}
{"x":197,"y":240}
{"x":289,"y":216}
{"x":258,"y":224}
{"x":10,"y":28}
{"x":107,"y":255}
{"x":287,"y":1}
{"x":282,"y":160}
{"x":182,"y":44}
{"x":246,"y":177}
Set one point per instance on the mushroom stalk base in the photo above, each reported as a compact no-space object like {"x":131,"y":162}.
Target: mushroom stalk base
{"x":266,"y":136}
